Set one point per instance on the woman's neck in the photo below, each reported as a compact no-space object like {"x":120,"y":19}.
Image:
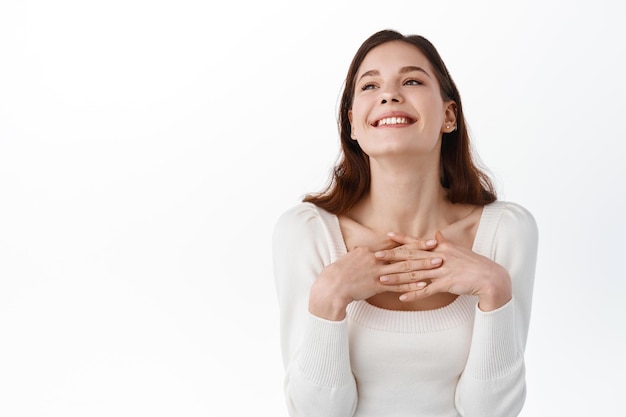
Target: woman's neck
{"x":415,"y":204}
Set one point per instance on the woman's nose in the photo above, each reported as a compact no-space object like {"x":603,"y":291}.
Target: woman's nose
{"x":390,"y":96}
{"x":393,"y":100}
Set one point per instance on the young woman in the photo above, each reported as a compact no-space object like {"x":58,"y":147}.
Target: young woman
{"x":405,"y":286}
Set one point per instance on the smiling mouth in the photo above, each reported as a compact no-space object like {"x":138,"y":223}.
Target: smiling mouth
{"x":391,"y":121}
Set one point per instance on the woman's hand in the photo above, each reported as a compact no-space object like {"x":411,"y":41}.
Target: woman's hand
{"x":461,"y":272}
{"x":356,"y":276}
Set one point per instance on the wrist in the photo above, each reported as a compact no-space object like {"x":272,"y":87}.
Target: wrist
{"x":326,"y":302}
{"x":498,"y":291}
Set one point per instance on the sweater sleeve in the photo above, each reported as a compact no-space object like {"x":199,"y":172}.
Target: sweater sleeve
{"x":318,"y":378}
{"x":493,"y":382}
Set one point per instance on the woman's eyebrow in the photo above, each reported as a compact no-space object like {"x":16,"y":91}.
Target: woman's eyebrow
{"x":369,"y":73}
{"x":403,"y":70}
{"x":412,"y":68}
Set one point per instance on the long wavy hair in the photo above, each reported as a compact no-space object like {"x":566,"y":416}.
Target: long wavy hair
{"x":350,"y":180}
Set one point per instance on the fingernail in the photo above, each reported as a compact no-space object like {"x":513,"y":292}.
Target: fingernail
{"x":421,"y":284}
{"x":384,"y":279}
{"x":379,"y":254}
{"x":391,"y":234}
{"x":431,"y":242}
{"x":404,"y":297}
{"x":435,"y":261}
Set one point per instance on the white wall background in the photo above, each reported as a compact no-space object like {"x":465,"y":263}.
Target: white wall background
{"x":147,"y":147}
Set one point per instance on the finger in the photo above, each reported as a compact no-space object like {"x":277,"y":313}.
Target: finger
{"x":401,"y":253}
{"x":414,"y":289}
{"x":411,"y":296}
{"x":407,"y":286}
{"x":410,"y":271}
{"x":421,"y":292}
{"x":405,"y":239}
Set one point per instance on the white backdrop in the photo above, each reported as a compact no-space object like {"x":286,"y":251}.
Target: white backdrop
{"x":147,"y":148}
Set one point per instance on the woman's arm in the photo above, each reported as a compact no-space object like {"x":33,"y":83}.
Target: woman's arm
{"x":318,"y":378}
{"x":502,"y":278}
{"x":493,"y":383}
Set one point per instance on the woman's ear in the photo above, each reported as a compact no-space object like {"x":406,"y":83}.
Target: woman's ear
{"x":449,"y":121}
{"x":352,"y":131}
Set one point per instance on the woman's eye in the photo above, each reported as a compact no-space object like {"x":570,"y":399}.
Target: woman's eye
{"x":368,"y":87}
{"x":413,"y":82}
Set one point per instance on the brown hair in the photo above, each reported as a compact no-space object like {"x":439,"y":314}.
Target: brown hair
{"x":463,"y":180}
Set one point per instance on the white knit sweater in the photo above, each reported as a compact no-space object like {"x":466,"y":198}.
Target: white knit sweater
{"x":452,"y":361}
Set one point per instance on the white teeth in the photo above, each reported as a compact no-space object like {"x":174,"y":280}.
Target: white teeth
{"x":393,"y":121}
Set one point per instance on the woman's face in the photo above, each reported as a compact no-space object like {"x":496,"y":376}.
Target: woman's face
{"x":397,"y":106}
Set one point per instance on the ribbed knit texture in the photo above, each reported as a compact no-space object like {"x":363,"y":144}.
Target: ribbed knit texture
{"x":326,"y":339}
{"x":494,"y":352}
{"x":442,"y":362}
{"x":459,"y":312}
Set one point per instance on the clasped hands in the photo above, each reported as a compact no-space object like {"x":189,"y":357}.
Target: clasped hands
{"x":416,"y":269}
{"x":420,"y":268}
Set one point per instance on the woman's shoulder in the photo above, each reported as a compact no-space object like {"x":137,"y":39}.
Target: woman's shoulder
{"x":509,"y":214}
{"x":303,"y":219}
{"x":300,"y":213}
{"x":507,"y":223}
{"x":309,"y":229}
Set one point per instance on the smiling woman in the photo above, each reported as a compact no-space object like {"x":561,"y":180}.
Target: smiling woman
{"x":405,"y":286}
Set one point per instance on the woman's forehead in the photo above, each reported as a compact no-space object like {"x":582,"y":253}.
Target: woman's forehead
{"x":395,"y":54}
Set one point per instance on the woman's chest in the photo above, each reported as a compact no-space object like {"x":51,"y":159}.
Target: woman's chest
{"x":410,"y":346}
{"x":380,"y":358}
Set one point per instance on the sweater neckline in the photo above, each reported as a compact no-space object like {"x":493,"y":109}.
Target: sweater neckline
{"x":482,"y":239}
{"x":450,"y":316}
